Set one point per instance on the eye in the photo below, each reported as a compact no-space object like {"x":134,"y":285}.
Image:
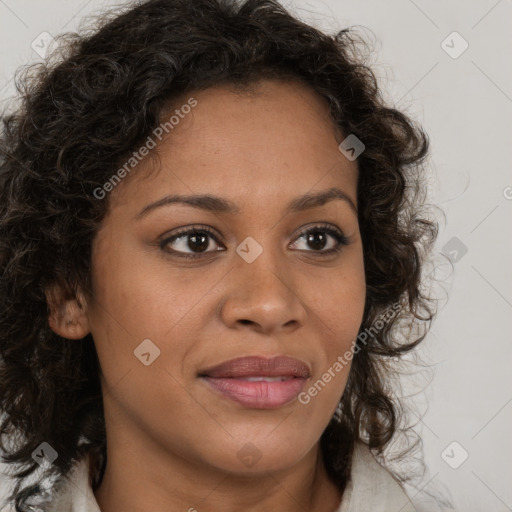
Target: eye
{"x":318,"y":238}
{"x":196,"y":239}
{"x":193,"y":242}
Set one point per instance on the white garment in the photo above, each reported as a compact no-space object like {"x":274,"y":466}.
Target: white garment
{"x":371,"y":488}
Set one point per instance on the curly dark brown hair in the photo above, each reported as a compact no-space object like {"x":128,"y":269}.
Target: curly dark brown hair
{"x":86,"y":109}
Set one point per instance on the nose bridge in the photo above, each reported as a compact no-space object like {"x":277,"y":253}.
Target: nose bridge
{"x":262,"y":290}
{"x":259,"y":266}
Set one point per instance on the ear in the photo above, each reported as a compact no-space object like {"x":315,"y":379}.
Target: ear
{"x":68,"y":314}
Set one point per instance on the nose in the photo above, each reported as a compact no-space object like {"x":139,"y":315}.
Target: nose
{"x":263,"y":296}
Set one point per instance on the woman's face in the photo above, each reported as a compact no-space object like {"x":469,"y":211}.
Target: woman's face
{"x":256,"y":287}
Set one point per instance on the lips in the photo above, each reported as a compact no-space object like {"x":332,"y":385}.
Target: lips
{"x":281,"y":366}
{"x":258,"y":382}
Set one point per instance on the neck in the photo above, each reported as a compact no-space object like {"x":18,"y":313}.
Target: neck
{"x":138,"y":479}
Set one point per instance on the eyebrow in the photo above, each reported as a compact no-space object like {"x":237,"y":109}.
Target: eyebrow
{"x":217,"y":204}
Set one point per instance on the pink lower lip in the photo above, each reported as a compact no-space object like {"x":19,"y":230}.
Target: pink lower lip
{"x":258,"y":395}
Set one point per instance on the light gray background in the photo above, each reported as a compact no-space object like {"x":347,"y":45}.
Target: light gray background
{"x":465,"y":104}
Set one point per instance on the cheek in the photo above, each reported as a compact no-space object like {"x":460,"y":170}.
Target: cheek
{"x":339,"y":313}
{"x":340,"y":309}
{"x":136,"y":330}
{"x":339,"y":300}
{"x":140,"y":298}
{"x":139,"y":293}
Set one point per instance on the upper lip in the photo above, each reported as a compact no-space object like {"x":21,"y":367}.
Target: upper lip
{"x":256,"y":366}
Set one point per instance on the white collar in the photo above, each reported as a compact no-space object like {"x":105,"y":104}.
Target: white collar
{"x":371,"y":487}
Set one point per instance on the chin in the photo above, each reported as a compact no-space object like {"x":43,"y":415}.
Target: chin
{"x":259,"y":454}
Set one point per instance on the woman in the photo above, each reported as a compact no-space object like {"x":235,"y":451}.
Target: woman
{"x":211,"y":230}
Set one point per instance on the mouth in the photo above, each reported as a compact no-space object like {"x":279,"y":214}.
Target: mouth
{"x":258,"y":382}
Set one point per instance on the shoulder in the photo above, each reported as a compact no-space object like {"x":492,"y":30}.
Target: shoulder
{"x":74,"y":492}
{"x":372,"y":487}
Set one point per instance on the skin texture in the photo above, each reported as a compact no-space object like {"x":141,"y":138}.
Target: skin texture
{"x":172,"y":442}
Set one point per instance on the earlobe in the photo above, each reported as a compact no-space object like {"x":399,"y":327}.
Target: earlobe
{"x":67,"y":316}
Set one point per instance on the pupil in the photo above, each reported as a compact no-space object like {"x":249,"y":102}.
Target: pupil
{"x":194,"y":244}
{"x":317,"y":238}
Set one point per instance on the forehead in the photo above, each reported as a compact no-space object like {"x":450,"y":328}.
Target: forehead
{"x":253,"y":145}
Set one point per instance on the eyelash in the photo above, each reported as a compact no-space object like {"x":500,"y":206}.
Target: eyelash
{"x":341,"y":239}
